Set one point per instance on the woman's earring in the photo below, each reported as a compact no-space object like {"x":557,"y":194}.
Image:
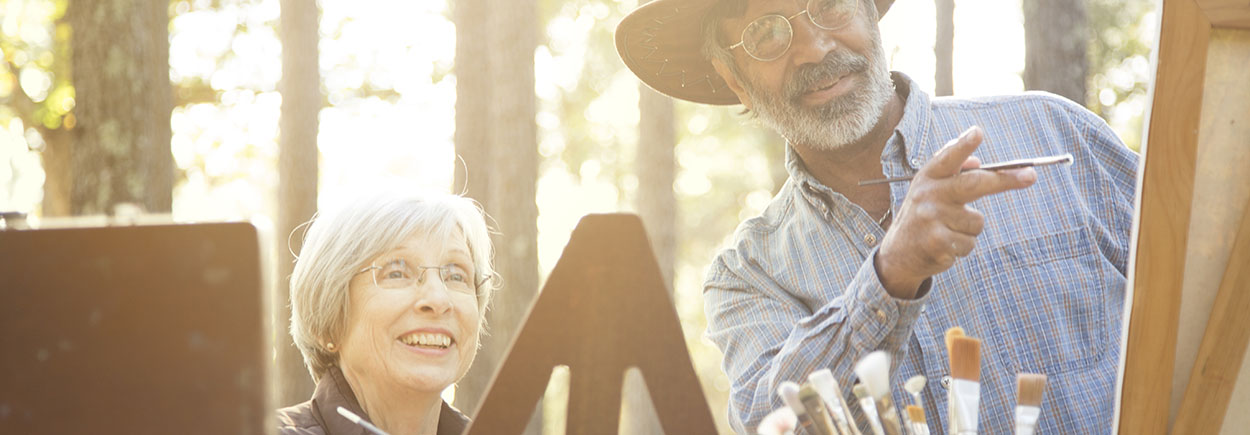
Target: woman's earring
{"x":331,"y":347}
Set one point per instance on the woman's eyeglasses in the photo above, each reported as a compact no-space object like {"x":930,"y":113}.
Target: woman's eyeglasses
{"x":769,"y":36}
{"x":398,"y":273}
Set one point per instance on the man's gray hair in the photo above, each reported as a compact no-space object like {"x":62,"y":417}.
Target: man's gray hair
{"x":337,"y":245}
{"x":713,"y":48}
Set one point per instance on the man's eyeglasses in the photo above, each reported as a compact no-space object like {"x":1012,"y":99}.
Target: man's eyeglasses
{"x":769,"y":36}
{"x":398,"y":273}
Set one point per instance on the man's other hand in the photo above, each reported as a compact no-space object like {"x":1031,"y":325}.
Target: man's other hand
{"x":935,"y":226}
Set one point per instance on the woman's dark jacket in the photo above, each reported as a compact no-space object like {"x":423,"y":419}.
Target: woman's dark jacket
{"x":320,"y":416}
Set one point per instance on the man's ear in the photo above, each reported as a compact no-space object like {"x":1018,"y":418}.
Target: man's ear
{"x":732,"y":81}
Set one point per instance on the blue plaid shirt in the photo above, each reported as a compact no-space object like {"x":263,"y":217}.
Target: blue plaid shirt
{"x":1043,"y":290}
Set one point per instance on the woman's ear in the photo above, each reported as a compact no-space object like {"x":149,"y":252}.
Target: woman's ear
{"x":731,"y":80}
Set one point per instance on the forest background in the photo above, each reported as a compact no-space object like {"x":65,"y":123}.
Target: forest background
{"x":182,"y":107}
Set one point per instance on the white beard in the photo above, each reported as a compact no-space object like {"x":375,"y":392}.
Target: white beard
{"x":843,"y":120}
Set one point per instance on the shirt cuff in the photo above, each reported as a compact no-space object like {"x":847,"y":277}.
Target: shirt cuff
{"x":879,"y":320}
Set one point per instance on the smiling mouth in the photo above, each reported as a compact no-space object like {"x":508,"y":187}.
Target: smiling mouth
{"x":825,"y":84}
{"x":427,"y":340}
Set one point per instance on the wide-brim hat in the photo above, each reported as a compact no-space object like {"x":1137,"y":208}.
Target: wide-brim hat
{"x":662,"y":43}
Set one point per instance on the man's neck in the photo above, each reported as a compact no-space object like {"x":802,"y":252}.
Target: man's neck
{"x":842,"y":169}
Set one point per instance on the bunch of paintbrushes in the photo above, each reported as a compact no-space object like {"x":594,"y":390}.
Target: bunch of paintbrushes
{"x":819,"y":408}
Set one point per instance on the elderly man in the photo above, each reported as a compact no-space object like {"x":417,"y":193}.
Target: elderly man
{"x":1031,"y":261}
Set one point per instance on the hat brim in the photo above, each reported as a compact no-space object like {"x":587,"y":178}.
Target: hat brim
{"x":662,"y":43}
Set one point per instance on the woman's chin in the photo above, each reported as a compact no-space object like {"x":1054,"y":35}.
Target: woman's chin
{"x":426,"y":377}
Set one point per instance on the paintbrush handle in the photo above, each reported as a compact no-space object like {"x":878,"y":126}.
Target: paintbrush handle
{"x":1001,"y":166}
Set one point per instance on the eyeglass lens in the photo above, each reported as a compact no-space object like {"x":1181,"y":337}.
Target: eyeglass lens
{"x":399,"y":273}
{"x":769,"y":36}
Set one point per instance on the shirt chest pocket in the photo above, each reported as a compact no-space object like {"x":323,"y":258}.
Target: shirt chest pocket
{"x":1047,"y":302}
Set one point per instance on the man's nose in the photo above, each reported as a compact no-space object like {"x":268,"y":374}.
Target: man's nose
{"x":810,"y":44}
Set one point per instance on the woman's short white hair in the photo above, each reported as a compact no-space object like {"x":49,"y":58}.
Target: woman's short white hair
{"x":340,"y":243}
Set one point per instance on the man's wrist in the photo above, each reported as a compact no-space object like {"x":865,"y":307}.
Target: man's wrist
{"x":898,"y":287}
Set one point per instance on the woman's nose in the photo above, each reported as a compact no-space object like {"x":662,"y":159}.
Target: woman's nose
{"x":433,"y":297}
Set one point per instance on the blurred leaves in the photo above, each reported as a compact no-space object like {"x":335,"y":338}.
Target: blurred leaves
{"x":1120,"y":71}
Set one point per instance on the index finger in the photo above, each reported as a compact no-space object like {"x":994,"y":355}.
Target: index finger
{"x":950,"y":159}
{"x":972,"y":185}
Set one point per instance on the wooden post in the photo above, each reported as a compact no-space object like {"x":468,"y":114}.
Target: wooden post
{"x":1200,"y":104}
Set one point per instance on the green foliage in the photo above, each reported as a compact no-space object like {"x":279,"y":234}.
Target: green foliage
{"x":1122,"y":36}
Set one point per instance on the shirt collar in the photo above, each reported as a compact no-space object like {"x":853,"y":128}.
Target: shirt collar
{"x":912,"y":131}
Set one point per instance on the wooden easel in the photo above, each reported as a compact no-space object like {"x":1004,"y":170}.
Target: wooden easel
{"x":1194,"y":212}
{"x":603,"y":310}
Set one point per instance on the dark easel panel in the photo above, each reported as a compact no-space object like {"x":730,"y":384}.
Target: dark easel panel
{"x":604,"y":309}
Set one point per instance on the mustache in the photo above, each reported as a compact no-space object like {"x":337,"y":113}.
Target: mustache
{"x":837,"y":63}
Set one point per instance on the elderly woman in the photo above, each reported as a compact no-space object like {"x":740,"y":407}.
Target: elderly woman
{"x":387,"y":301}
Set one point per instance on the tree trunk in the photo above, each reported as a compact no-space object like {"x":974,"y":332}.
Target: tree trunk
{"x":944,"y":48}
{"x":497,"y":137}
{"x":1056,"y":35}
{"x":297,"y":177}
{"x":120,"y":69}
{"x":656,"y":167}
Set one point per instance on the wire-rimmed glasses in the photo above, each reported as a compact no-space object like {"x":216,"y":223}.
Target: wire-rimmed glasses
{"x":399,"y":273}
{"x":768,"y":37}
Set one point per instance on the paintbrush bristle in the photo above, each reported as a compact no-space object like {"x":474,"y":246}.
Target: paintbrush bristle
{"x":966,"y":358}
{"x":1030,"y":387}
{"x":859,"y":391}
{"x":915,"y":414}
{"x":789,"y":392}
{"x":874,"y":373}
{"x":950,"y":336}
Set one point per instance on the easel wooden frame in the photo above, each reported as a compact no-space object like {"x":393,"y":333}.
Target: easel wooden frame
{"x":1177,"y":120}
{"x":604,"y":309}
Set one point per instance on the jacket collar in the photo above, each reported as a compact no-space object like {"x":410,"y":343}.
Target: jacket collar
{"x":333,"y":391}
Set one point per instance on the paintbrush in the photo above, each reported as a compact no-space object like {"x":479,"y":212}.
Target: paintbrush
{"x":915,"y":385}
{"x":874,"y":374}
{"x":1010,"y":164}
{"x":816,"y":410}
{"x":919,"y":425}
{"x":352,"y":417}
{"x":869,"y":407}
{"x":965,"y":388}
{"x":949,"y":338}
{"x":1030,"y":388}
{"x":789,"y":392}
{"x":827,"y":386}
{"x":781,"y":421}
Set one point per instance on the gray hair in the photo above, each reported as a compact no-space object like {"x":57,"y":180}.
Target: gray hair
{"x":713,"y":48}
{"x":339,"y":244}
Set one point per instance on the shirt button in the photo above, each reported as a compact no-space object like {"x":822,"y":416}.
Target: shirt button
{"x":946,"y":382}
{"x":915,"y":162}
{"x":870,"y":239}
{"x":880,"y":314}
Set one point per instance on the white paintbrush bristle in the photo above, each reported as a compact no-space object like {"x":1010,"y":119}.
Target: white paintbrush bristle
{"x":825,"y":384}
{"x":874,"y":372}
{"x":915,"y":385}
{"x":789,"y":392}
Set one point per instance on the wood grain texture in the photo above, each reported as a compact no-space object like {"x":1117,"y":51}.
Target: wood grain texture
{"x":604,"y":309}
{"x":1227,"y":13}
{"x":1223,"y":346}
{"x":1209,"y":355}
{"x":1166,"y":192}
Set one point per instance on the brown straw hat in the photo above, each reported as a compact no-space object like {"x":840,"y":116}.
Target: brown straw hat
{"x":662,"y":43}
